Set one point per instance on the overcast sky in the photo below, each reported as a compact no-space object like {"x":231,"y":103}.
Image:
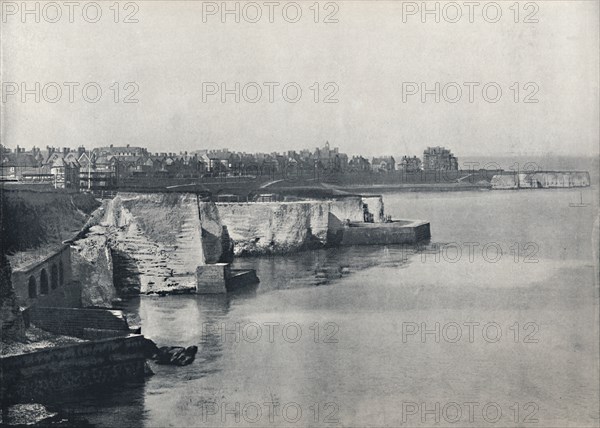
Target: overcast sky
{"x":368,"y":54}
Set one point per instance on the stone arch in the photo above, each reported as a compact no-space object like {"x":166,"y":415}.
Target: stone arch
{"x":54,"y":277}
{"x":32,"y":287}
{"x":44,"y":282}
{"x":61,"y":273}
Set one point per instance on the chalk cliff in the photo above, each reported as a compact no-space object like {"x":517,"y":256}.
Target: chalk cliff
{"x":275,"y":227}
{"x":156,"y":239}
{"x":505,"y":182}
{"x":281,"y":227}
{"x":154,"y":243}
{"x":211,"y":232}
{"x":542,"y":180}
{"x":92,"y":263}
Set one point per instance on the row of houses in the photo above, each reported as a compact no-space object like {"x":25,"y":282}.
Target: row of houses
{"x":107,"y":167}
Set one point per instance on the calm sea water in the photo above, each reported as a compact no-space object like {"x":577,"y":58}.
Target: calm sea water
{"x":493,"y":323}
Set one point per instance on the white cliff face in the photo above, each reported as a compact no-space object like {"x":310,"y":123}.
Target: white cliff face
{"x":159,"y":236}
{"x":504,"y":182}
{"x":155,"y":242}
{"x":347,"y":209}
{"x":565,"y":179}
{"x":212,"y":230}
{"x":281,"y":227}
{"x":275,"y":227}
{"x":93,"y":267}
{"x":375,"y":205}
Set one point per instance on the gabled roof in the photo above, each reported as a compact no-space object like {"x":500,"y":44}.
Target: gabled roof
{"x":58,"y":162}
{"x":22,"y":160}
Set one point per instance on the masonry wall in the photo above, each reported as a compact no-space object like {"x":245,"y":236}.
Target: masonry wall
{"x":385,"y":235}
{"x":82,"y":323}
{"x":35,"y":376}
{"x":59,"y":289}
{"x":212,"y":278}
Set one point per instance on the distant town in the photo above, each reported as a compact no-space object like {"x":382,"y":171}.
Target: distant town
{"x":114,"y":167}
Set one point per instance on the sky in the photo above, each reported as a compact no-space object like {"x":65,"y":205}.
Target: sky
{"x":371,"y":61}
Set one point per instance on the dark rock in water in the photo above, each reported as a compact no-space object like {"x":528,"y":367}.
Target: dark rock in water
{"x":172,"y":355}
{"x":150,"y":349}
{"x":176,"y":355}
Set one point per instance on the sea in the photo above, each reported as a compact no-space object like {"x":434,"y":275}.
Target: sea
{"x":494,"y":322}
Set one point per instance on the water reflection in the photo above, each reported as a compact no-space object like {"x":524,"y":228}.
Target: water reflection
{"x":322,"y":267}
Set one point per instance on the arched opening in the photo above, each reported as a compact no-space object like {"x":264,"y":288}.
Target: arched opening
{"x":61,"y":273}
{"x":32,"y":287}
{"x":54,"y":277}
{"x":44,"y":282}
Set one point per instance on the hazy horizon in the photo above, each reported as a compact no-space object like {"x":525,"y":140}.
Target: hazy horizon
{"x":368,"y":55}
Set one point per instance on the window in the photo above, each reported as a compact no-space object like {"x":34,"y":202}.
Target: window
{"x":32,"y":288}
{"x":61,"y":273}
{"x":44,"y":282}
{"x":54,"y":277}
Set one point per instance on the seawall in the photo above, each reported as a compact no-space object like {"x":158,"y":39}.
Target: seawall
{"x":39,"y":375}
